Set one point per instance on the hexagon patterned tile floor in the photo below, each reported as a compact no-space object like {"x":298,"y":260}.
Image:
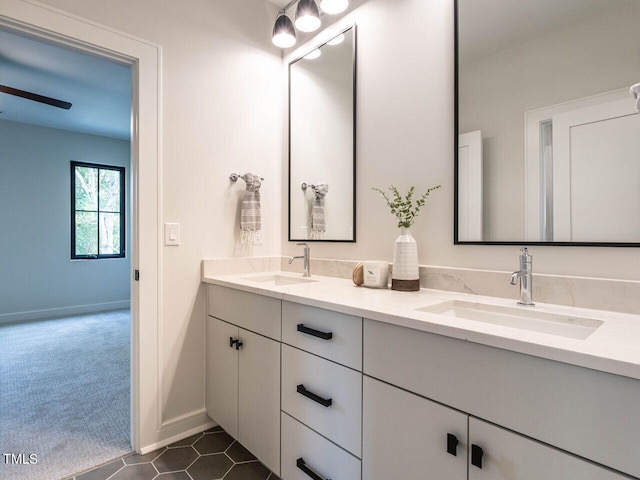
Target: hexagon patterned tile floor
{"x":210,"y":455}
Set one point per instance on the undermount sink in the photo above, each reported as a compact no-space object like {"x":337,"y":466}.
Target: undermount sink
{"x":524,"y":318}
{"x":278,"y":280}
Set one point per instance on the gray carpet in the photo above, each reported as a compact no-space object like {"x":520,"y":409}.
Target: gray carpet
{"x":64,"y":394}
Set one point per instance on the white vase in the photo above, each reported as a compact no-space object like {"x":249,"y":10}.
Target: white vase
{"x":405,"y":275}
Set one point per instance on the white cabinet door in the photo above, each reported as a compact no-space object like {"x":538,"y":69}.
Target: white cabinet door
{"x":257,"y":313}
{"x":332,"y":335}
{"x":407,"y":437}
{"x":259,"y":398}
{"x":307,"y":455}
{"x":497,"y":454}
{"x":339,"y":420}
{"x":222,"y":375}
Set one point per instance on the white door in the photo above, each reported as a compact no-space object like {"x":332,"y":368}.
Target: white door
{"x":470,"y":186}
{"x":497,"y":454}
{"x":408,"y":437}
{"x":222,"y":375}
{"x":597,"y":156}
{"x":259,"y":398}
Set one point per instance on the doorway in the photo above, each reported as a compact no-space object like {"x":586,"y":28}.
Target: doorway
{"x":65,"y":324}
{"x":53,"y":26}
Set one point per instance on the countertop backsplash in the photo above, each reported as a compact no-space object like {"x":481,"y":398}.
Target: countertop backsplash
{"x":597,"y":293}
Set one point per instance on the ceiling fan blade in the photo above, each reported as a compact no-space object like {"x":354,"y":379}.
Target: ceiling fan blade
{"x":35,"y":97}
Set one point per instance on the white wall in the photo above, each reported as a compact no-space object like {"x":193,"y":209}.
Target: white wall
{"x":588,"y":58}
{"x":221,"y":113}
{"x":38,"y":277}
{"x":222,"y":98}
{"x":405,"y":137}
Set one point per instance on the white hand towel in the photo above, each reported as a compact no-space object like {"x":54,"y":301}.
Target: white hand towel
{"x":318,"y":222}
{"x":250,"y":219}
{"x":635,"y":93}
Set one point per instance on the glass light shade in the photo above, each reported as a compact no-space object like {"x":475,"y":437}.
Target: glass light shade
{"x":284,"y":35}
{"x":307,"y":16}
{"x":313,"y":54}
{"x":336,"y":41}
{"x":334,"y":6}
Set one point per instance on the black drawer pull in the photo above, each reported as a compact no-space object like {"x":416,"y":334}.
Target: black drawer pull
{"x":300,"y":463}
{"x":476,"y":456}
{"x":325,"y":402}
{"x":452,"y":444}
{"x":314,"y":333}
{"x":238,"y":344}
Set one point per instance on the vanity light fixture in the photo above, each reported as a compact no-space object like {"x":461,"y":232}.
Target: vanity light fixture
{"x":307,"y":20}
{"x":337,"y":40}
{"x":333,"y":7}
{"x":307,"y":16}
{"x":313,"y":54}
{"x":284,"y":35}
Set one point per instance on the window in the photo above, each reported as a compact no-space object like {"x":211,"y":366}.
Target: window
{"x":97,"y":211}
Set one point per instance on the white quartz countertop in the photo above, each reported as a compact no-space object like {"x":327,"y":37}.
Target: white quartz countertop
{"x":614,"y":347}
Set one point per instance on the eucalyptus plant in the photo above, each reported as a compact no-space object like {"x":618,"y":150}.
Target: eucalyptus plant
{"x":405,"y":209}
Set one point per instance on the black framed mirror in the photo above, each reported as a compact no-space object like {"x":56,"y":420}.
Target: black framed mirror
{"x":322,"y":147}
{"x":547,"y":150}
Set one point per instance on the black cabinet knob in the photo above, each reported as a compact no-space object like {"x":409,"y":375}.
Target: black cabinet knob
{"x":235,"y":342}
{"x":476,"y":456}
{"x":452,"y":444}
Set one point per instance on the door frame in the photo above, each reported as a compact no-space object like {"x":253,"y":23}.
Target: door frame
{"x":470,"y":187}
{"x":49,"y":24}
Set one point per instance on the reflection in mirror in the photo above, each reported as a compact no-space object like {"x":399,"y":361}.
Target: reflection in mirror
{"x":322,"y":142}
{"x":548,"y":145}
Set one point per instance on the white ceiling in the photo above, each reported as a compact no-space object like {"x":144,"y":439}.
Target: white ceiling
{"x":279,"y":3}
{"x":99,"y":90}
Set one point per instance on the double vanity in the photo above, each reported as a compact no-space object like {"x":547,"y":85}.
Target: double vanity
{"x":321,"y":379}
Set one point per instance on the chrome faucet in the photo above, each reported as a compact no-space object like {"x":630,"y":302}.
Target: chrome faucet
{"x":307,"y":251}
{"x":525,"y":276}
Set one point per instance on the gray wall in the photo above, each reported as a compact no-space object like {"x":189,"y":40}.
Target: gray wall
{"x":37,"y":277}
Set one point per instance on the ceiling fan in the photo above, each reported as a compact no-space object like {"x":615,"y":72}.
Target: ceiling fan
{"x":35,"y":97}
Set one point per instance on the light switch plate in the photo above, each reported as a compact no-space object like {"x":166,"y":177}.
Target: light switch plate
{"x":172,"y":234}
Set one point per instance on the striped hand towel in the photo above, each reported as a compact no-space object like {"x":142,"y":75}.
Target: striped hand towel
{"x":318,"y":221}
{"x":250,"y":221}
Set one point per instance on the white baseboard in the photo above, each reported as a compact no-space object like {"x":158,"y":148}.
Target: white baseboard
{"x":62,"y":312}
{"x":195,"y":422}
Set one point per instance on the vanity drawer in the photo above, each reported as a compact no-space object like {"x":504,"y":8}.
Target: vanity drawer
{"x":586,"y":412}
{"x":302,"y":448}
{"x":250,"y":311}
{"x":331,"y":335}
{"x":340,"y":421}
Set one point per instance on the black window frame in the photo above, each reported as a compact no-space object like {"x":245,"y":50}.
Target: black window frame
{"x":122,"y":212}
